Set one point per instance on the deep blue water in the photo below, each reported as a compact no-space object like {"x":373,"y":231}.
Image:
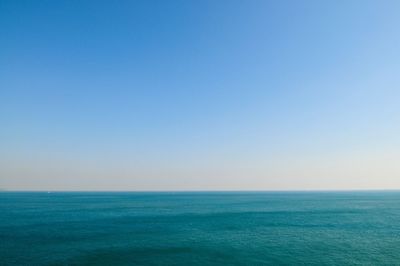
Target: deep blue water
{"x":258,"y":228}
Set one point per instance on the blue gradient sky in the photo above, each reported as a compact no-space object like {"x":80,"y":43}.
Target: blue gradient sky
{"x":198,"y":95}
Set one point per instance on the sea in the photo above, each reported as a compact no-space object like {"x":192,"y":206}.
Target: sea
{"x":200,"y":228}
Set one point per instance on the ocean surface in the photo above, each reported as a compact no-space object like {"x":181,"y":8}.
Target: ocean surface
{"x":198,"y":228}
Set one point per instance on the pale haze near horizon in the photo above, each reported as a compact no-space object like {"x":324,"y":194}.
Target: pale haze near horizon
{"x":199,"y":95}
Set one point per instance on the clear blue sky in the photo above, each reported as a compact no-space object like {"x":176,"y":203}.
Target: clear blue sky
{"x":182,"y":95}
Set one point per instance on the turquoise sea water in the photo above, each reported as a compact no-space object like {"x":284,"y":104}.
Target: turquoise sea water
{"x":238,"y":228}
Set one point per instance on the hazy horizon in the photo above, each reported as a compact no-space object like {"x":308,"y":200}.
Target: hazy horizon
{"x":199,"y":95}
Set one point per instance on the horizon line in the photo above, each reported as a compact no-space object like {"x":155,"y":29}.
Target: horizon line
{"x":202,"y":191}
